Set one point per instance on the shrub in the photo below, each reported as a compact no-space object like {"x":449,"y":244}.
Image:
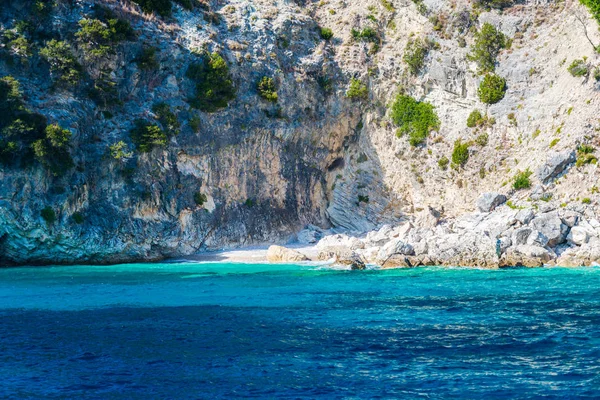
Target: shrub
{"x":120,"y":151}
{"x":357,"y":90}
{"x":147,"y":136}
{"x":77,"y":218}
{"x":521,"y":180}
{"x":491,"y":89}
{"x":365,"y":35}
{"x":267,"y":89}
{"x":460,"y":154}
{"x":578,"y":68}
{"x":488,"y":43}
{"x":147,"y":61}
{"x":214,"y":86}
{"x":594,"y":7}
{"x":415,"y":53}
{"x":475,"y":119}
{"x":200,"y":199}
{"x":326,"y":33}
{"x":586,"y":200}
{"x":167,"y":118}
{"x":363,"y":199}
{"x":443,"y":163}
{"x":482,"y":140}
{"x":325,"y":83}
{"x":62,"y":62}
{"x":161,"y":7}
{"x":414,"y":118}
{"x":585,"y":155}
{"x":48,"y":215}
{"x":497,"y":4}
{"x":554,"y":142}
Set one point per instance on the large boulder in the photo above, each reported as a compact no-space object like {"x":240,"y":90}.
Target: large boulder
{"x":489,"y":201}
{"x":309,"y":235}
{"x":340,"y":240}
{"x":394,"y":247}
{"x":552,"y":227}
{"x":526,"y":256}
{"x":427,"y":218}
{"x":463,"y":249}
{"x":283,"y":254}
{"x":555,"y":165}
{"x":343,"y":256}
{"x":587,"y":254}
{"x":579,"y":235}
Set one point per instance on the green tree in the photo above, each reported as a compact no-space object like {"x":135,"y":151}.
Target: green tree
{"x":63,"y":64}
{"x":488,"y":43}
{"x":491,"y":89}
{"x":147,"y":136}
{"x":214,"y":86}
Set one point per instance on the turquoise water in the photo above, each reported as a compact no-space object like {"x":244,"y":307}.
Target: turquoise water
{"x":204,"y":331}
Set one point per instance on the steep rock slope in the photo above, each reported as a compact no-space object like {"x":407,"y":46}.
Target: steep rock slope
{"x":324,"y":153}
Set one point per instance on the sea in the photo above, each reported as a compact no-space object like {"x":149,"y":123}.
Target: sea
{"x":190,"y":330}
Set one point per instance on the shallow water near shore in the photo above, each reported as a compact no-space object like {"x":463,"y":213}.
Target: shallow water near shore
{"x":214,"y":330}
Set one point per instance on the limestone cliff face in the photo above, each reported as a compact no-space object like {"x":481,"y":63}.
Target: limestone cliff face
{"x":314,"y":157}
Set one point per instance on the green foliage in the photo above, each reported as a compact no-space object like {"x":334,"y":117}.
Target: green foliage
{"x":214,"y":86}
{"x":585,"y":155}
{"x":475,"y":119}
{"x":366,"y":35}
{"x":443,"y":163}
{"x":267,"y":89}
{"x":326,"y":33}
{"x":160,"y":7}
{"x":521,"y":180}
{"x":200,"y":199}
{"x":482,"y":140}
{"x":167,"y":118}
{"x":586,"y":200}
{"x":195,"y":123}
{"x":415,"y":53}
{"x":97,"y":38}
{"x":460,"y":154}
{"x":52,"y":151}
{"x":147,"y":60}
{"x":554,"y":142}
{"x":147,"y":136}
{"x":488,"y":43}
{"x":120,"y":151}
{"x":325,"y":83}
{"x":357,"y":90}
{"x":594,"y":7}
{"x":578,"y":68}
{"x":414,"y":118}
{"x":497,"y":4}
{"x":77,"y":218}
{"x":491,"y":89}
{"x":17,"y":44}
{"x":363,"y":199}
{"x":48,"y":215}
{"x":63,"y":66}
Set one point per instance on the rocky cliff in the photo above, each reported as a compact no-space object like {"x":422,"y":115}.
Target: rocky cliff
{"x":314,"y":132}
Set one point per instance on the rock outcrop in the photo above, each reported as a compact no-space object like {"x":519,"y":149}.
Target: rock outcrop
{"x":283,"y":254}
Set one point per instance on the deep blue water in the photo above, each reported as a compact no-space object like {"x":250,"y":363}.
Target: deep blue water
{"x":204,"y":331}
